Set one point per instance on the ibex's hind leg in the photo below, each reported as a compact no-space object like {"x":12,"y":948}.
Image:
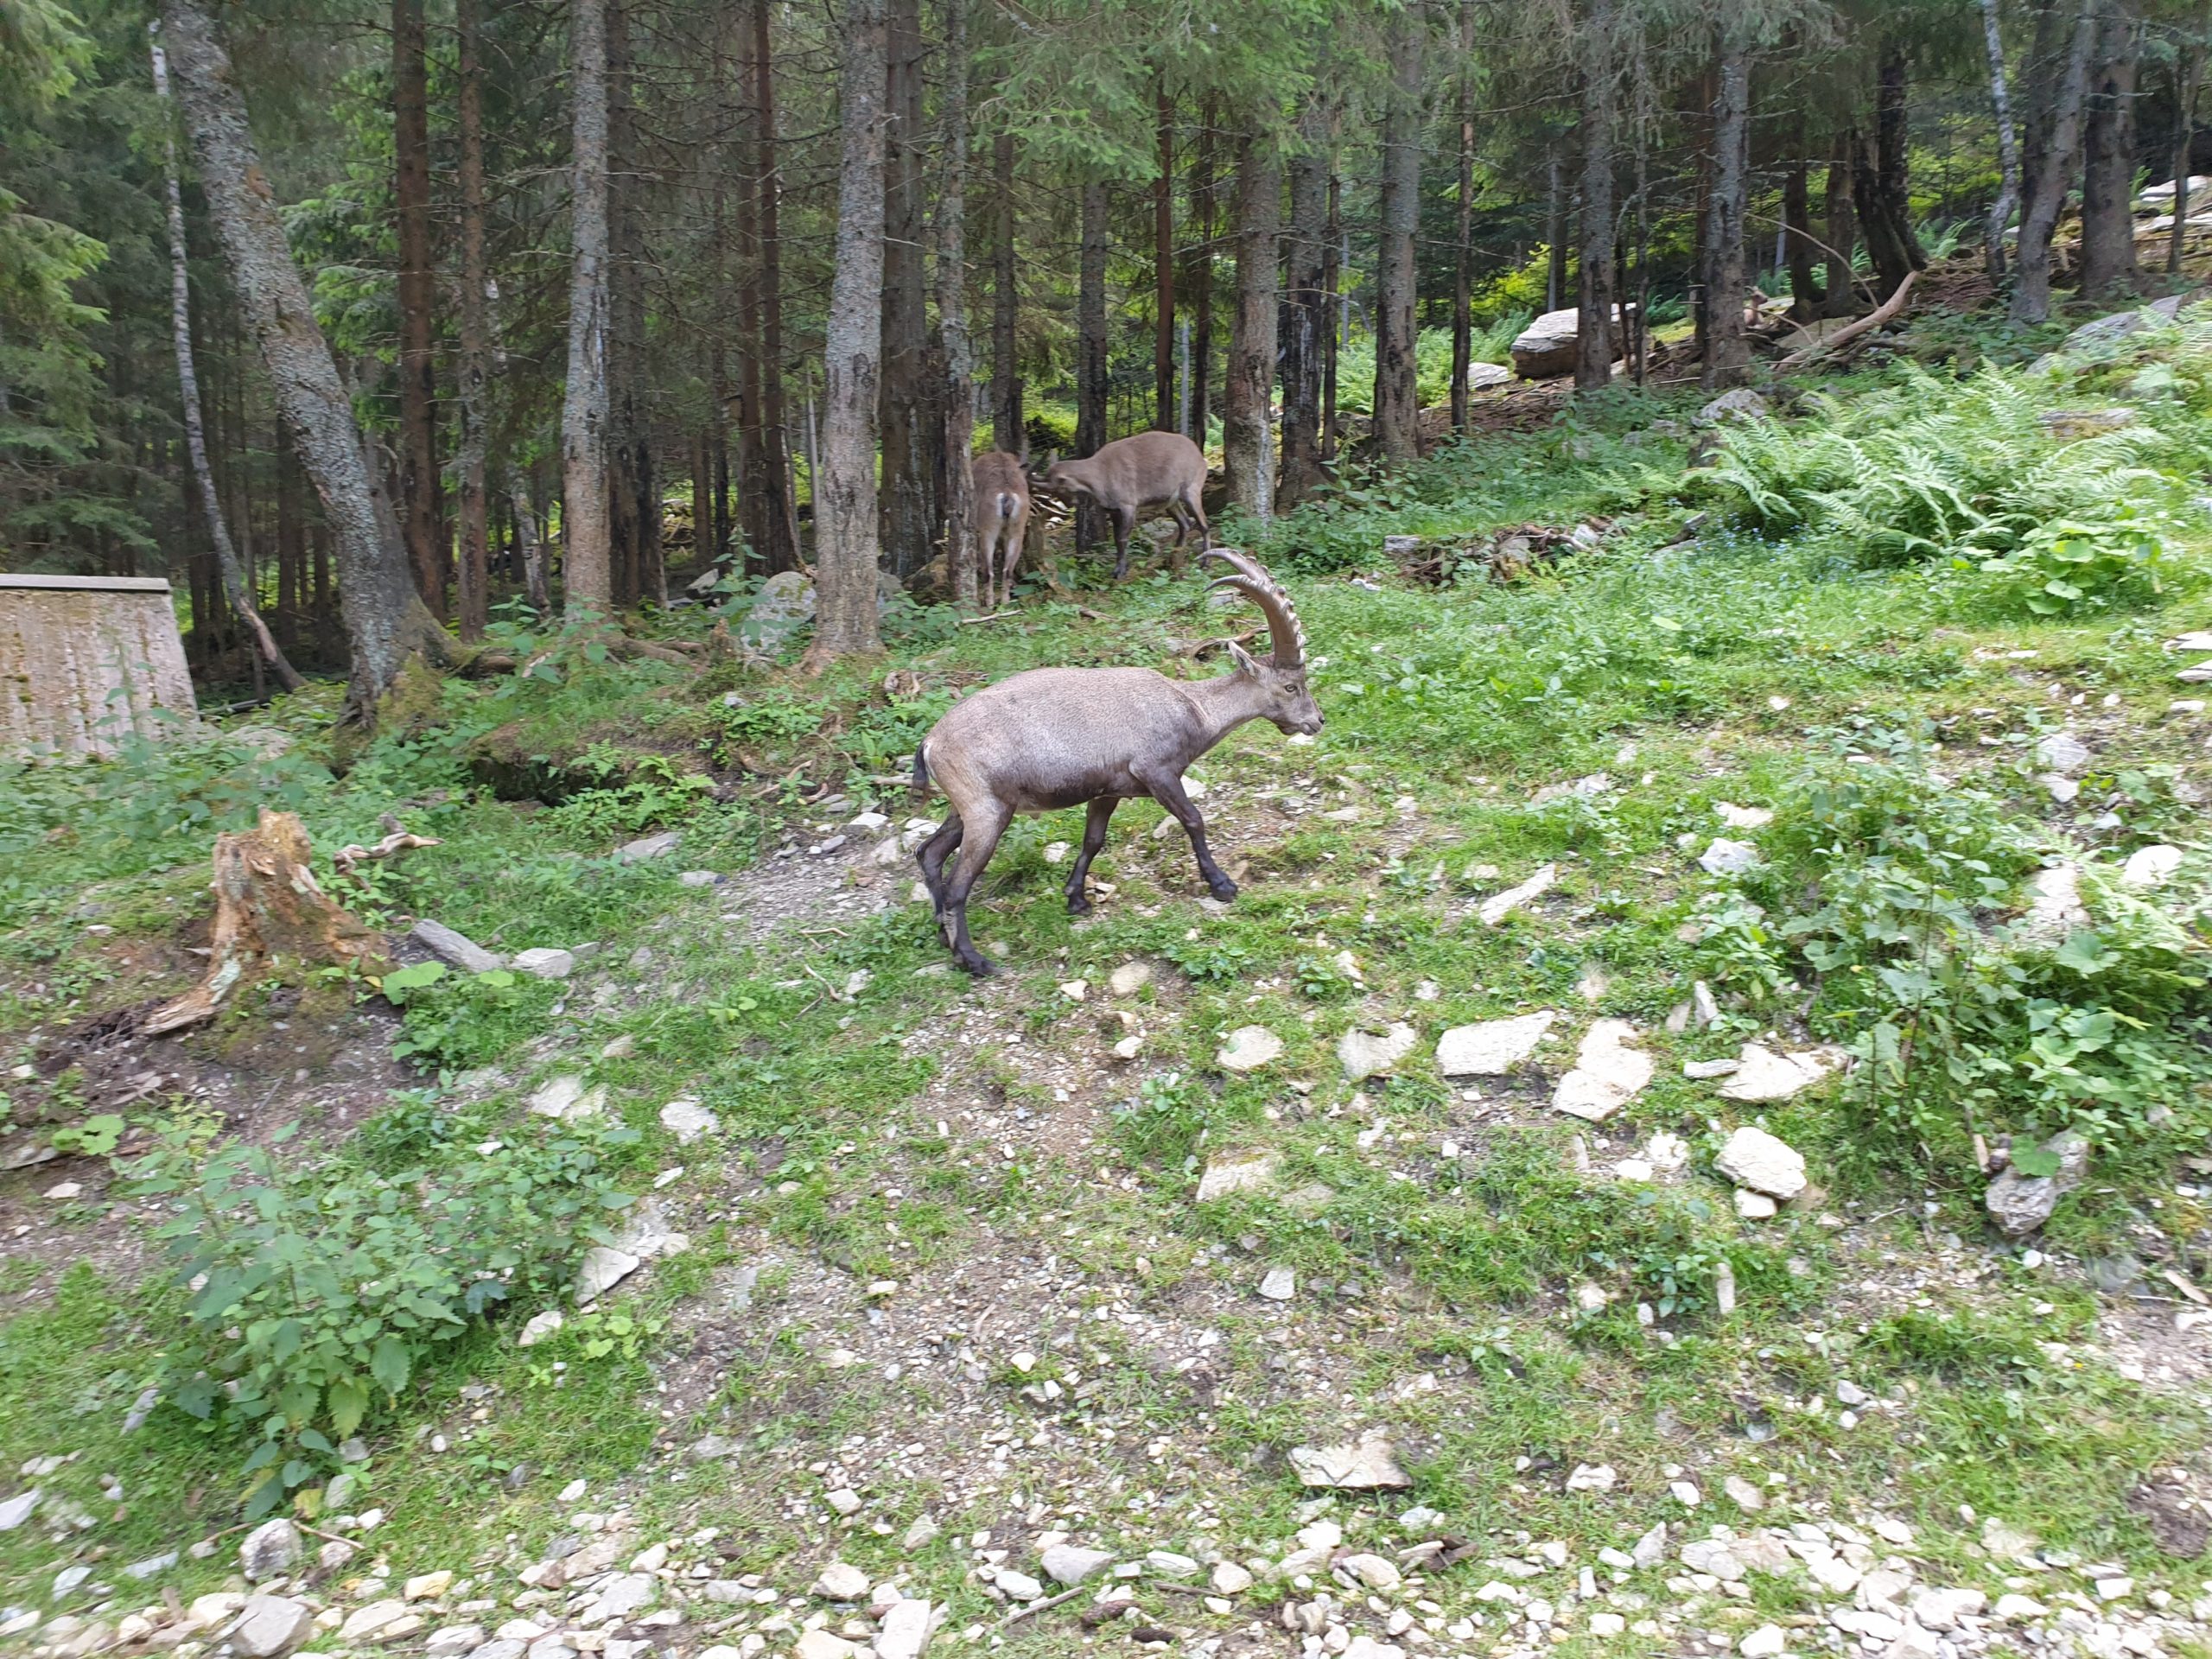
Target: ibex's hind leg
{"x":1167,"y":788}
{"x":1124,"y":521}
{"x":1094,"y":837}
{"x":982,"y":840}
{"x":1196,"y":505}
{"x":931,"y":856}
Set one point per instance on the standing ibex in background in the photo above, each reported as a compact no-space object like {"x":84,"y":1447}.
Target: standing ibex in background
{"x":1054,"y":737}
{"x":1131,"y":476}
{"x":1001,"y":516}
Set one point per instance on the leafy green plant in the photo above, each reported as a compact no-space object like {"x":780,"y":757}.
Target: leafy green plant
{"x":653,"y":792}
{"x":2065,"y":567}
{"x":457,"y":1020}
{"x":319,"y":1290}
{"x":594,"y":1335}
{"x":94,"y":1137}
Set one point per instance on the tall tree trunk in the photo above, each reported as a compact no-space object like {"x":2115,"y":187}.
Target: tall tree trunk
{"x":2054,"y":173}
{"x":1463,"y":307}
{"x":2108,"y":174}
{"x":1842,"y":226}
{"x":1332,"y":264}
{"x":1006,"y":433}
{"x":638,"y":570}
{"x":959,"y":395}
{"x":2008,"y":147}
{"x":852,"y":358}
{"x":291,"y":544}
{"x":2188,"y":71}
{"x":1163,"y":267}
{"x":1727,"y":354}
{"x":1879,"y":180}
{"x":475,"y":572}
{"x":1595,"y":299}
{"x":2042,"y":73}
{"x":1092,"y":382}
{"x":1554,"y":228}
{"x":1246,"y":443}
{"x":385,"y":621}
{"x":1806,"y":294}
{"x":195,"y":435}
{"x":1306,"y":303}
{"x":779,"y":547}
{"x":910,"y":436}
{"x":1397,"y":393}
{"x":418,"y":300}
{"x":1197,"y":275}
{"x":586,"y":527}
{"x":530,"y":542}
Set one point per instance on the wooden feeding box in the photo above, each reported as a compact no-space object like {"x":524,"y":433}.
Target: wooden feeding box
{"x":87,"y":661}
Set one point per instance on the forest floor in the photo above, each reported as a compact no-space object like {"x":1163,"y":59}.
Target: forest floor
{"x":1126,"y":1267}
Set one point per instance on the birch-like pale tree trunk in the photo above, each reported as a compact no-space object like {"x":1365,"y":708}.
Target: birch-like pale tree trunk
{"x":385,"y":621}
{"x":959,"y":393}
{"x":195,"y":430}
{"x":586,"y":520}
{"x":2008,"y":146}
{"x":845,"y":492}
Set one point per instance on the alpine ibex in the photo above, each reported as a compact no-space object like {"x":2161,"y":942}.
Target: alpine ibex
{"x":1131,"y":476}
{"x":1054,"y":737}
{"x":1002,"y":519}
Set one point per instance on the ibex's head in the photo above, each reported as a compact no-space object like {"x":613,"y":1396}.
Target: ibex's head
{"x":1059,"y":480}
{"x":1285,"y":698}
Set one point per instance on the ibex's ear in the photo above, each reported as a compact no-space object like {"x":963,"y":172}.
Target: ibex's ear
{"x":1242,"y":658}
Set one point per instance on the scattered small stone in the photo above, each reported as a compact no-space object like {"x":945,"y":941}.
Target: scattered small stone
{"x":1496,"y":908}
{"x":602,"y":1268}
{"x":1699,"y":1071}
{"x":1248,"y":1048}
{"x":270,"y":1625}
{"x":271,"y":1550}
{"x":540,"y":1327}
{"x":645,"y":847}
{"x":1225,"y":1176}
{"x":1019,"y":1585}
{"x":2020,"y":1204}
{"x":2017,"y":1609}
{"x":1280,"y":1284}
{"x":152,"y":1567}
{"x":1071,"y":1565}
{"x":1130,"y":978}
{"x":1754,"y":1206}
{"x":1765,"y":1643}
{"x":1726,"y":857}
{"x":842,"y":1581}
{"x":1608,"y":1073}
{"x":844,"y":1500}
{"x":1229,"y":1579}
{"x":454,"y":949}
{"x":2115,"y":1589}
{"x":2151,"y":866}
{"x":566,"y":1098}
{"x":905,"y":1631}
{"x":1746,"y":1495}
{"x":1754,"y":1159}
{"x":686,"y":1120}
{"x":1367,"y":1464}
{"x":1592,"y":1477}
{"x":1366,"y":1054}
{"x":1492,"y":1048}
{"x":1075,"y":989}
{"x":1376,"y":1571}
{"x":1743,"y":817}
{"x":1686,"y":1493}
{"x":1946,"y":1610}
{"x":1761,"y":1074}
{"x":546,"y":963}
{"x":2063,"y":753}
{"x":700,"y":878}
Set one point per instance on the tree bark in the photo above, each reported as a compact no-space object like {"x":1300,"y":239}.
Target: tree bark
{"x":1879,"y":180}
{"x":587,"y":529}
{"x":2008,"y":147}
{"x":1397,"y":393}
{"x":1163,"y":267}
{"x":1006,"y":432}
{"x":417,"y":295}
{"x":1332,"y":264}
{"x":1463,"y":309}
{"x":2108,"y":265}
{"x":385,"y":621}
{"x":1842,"y":225}
{"x":1197,"y":275}
{"x":1246,"y":442}
{"x":638,"y":573}
{"x":2188,"y":71}
{"x":475,"y":574}
{"x":1092,"y":382}
{"x":1595,"y":300}
{"x":845,"y":542}
{"x":2054,"y":173}
{"x":1727,"y":354}
{"x":959,"y":396}
{"x":1306,"y":318}
{"x":1554,"y":229}
{"x":910,"y":436}
{"x":195,"y":433}
{"x":530,"y":540}
{"x":778,"y":530}
{"x":1807,"y":297}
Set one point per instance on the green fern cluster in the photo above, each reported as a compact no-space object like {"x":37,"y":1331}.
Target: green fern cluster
{"x":1978,"y":471}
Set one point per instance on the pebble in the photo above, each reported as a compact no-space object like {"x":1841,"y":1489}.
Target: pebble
{"x":1763,"y":1642}
{"x":1280,"y":1284}
{"x":1492,"y":1048}
{"x":1608,"y":1072}
{"x":842,"y":1581}
{"x":1589,"y":1477}
{"x":1071,"y":1565}
{"x":1130,"y":978}
{"x":545,"y":962}
{"x":1496,"y":908}
{"x":1752,"y":1158}
{"x":1019,"y":1585}
{"x":1366,"y":1054}
{"x":271,"y":1550}
{"x":1248,"y":1048}
{"x":1746,"y":1495}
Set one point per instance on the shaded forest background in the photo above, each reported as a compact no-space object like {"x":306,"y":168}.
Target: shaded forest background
{"x":1285,"y":230}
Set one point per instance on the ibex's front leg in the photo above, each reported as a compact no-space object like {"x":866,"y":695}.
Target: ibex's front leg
{"x":1094,"y":837}
{"x":1125,"y":520}
{"x":1167,"y":788}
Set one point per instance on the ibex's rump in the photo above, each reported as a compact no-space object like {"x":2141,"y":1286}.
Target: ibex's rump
{"x":1002,"y":519}
{"x":1131,"y":477}
{"x":1059,"y":737}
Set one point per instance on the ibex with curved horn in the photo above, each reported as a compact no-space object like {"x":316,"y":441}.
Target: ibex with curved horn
{"x":1058,"y":737}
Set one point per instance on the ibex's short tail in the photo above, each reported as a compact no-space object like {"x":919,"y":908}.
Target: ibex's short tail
{"x":921,"y":770}
{"x":1007,"y":502}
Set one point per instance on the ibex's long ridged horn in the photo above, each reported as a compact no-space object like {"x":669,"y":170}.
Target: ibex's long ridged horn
{"x":1253,"y":580}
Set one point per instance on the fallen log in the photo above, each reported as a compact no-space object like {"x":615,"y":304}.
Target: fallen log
{"x":1874,"y":319}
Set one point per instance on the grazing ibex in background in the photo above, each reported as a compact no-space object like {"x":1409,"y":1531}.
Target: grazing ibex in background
{"x":1130,"y":477}
{"x":1001,"y":516}
{"x":1054,"y":737}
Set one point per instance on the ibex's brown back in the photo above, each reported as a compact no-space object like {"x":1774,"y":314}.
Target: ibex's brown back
{"x":1130,"y":476}
{"x":1001,"y":516}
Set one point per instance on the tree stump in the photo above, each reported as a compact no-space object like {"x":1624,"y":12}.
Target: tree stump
{"x":267,"y":907}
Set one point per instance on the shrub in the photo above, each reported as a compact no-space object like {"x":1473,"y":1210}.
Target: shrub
{"x":319,"y":1291}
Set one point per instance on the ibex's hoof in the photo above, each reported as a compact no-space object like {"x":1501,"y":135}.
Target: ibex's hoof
{"x":1078,"y":905}
{"x":1224,"y":891}
{"x":980,"y":967}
